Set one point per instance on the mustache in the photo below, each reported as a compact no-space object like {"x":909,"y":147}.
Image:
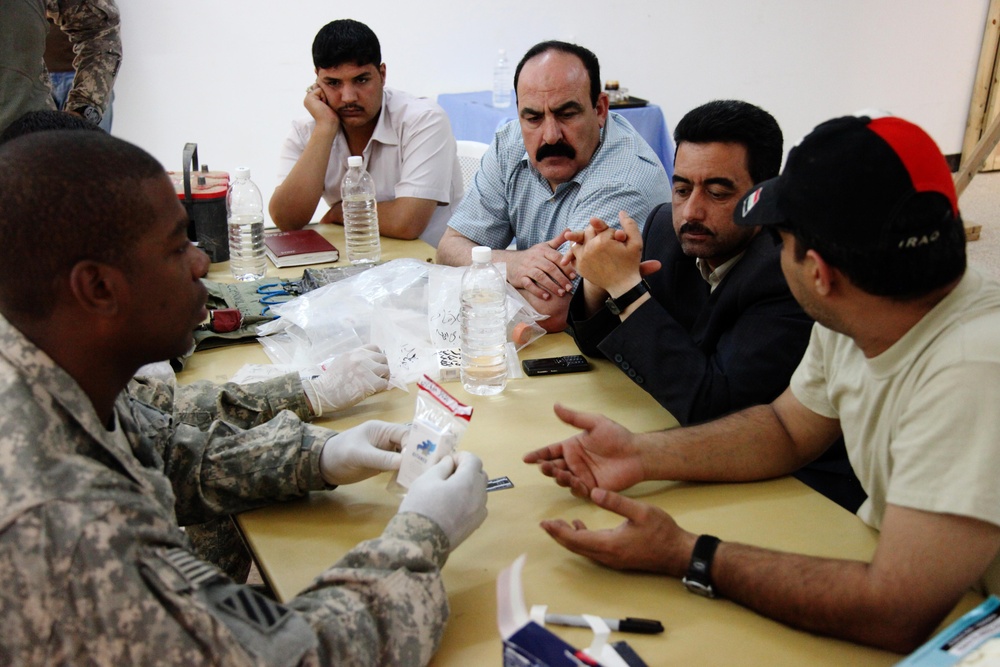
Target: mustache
{"x":695,"y":228}
{"x":350,"y":107}
{"x":560,"y":149}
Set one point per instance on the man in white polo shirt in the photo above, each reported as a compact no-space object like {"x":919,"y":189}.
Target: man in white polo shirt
{"x":406,"y":142}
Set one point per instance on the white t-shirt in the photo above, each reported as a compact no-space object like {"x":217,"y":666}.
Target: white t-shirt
{"x":921,"y":421}
{"x":411,"y":154}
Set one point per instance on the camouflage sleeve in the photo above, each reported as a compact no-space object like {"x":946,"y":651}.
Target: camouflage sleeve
{"x":200,"y":403}
{"x":93,"y":28}
{"x":245,"y":406}
{"x":119,"y":586}
{"x":401,"y":570}
{"x":225,"y":470}
{"x":215,"y":466}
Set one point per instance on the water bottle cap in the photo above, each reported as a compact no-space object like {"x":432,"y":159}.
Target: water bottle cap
{"x":355,"y":161}
{"x":482,"y":254}
{"x":242,"y":172}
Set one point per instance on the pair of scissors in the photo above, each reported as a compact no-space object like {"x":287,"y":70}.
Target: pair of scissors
{"x":275,"y":293}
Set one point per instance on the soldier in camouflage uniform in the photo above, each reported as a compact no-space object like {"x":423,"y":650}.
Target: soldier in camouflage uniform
{"x":93,"y":29}
{"x":95,"y":477}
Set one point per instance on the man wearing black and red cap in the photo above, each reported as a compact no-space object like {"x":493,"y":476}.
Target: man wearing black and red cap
{"x":904,"y":361}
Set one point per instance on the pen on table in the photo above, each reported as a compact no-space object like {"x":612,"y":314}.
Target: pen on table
{"x":644,"y":626}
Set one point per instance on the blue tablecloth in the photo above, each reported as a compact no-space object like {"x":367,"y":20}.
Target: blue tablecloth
{"x":473,"y":118}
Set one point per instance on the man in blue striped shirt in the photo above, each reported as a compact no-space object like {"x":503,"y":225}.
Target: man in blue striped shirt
{"x":566,"y":160}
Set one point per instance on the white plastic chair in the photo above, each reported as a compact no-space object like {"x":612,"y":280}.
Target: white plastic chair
{"x":469,"y":155}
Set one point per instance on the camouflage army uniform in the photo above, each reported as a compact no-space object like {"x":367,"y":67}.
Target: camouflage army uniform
{"x":93,"y":565}
{"x":92,"y":27}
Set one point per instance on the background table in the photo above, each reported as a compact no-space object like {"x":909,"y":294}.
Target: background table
{"x":391,"y":249}
{"x":295,"y":541}
{"x":473,"y":118}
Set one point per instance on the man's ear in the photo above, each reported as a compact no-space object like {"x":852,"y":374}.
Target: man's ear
{"x":381,"y":71}
{"x":603,"y":104}
{"x":822,"y":274}
{"x":98,"y":288}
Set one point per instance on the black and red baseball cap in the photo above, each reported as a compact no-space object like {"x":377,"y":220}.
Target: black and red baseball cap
{"x":849,"y":181}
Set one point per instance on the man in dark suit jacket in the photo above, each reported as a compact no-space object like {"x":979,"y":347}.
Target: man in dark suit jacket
{"x":702,"y":353}
{"x":712,"y":327}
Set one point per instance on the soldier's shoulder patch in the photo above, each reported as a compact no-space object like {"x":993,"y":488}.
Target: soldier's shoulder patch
{"x":254,"y":608}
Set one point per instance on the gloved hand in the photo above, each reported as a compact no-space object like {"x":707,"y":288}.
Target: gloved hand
{"x":452,"y":494}
{"x":362,"y":452}
{"x":343,"y":380}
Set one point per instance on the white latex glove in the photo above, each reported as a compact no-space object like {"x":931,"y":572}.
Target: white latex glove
{"x":362,"y":452}
{"x":343,"y":380}
{"x":452,"y":494}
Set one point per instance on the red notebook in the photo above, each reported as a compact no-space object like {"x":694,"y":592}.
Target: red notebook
{"x":299,"y":247}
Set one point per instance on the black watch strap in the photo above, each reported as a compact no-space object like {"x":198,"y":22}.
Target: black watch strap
{"x":698,"y":579}
{"x":616,"y":306}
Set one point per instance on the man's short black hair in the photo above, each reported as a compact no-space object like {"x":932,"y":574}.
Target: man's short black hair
{"x":67,"y":196}
{"x":43,"y":120}
{"x":735,"y":121}
{"x":346,"y":41}
{"x":586,"y":56}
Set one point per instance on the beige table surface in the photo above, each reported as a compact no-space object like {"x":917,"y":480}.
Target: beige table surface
{"x":295,"y":541}
{"x":391,"y":249}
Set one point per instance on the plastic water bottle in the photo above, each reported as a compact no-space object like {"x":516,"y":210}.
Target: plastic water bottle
{"x":245,"y":214}
{"x":484,"y":326}
{"x":357,"y":192}
{"x":502,"y":81}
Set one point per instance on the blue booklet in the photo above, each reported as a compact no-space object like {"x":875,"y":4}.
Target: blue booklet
{"x":974,"y":639}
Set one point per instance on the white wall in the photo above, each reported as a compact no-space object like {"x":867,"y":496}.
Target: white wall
{"x":230,"y":74}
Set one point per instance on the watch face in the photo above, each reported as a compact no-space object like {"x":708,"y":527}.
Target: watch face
{"x":617,"y":306}
{"x":93,"y":114}
{"x":698,"y":588}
